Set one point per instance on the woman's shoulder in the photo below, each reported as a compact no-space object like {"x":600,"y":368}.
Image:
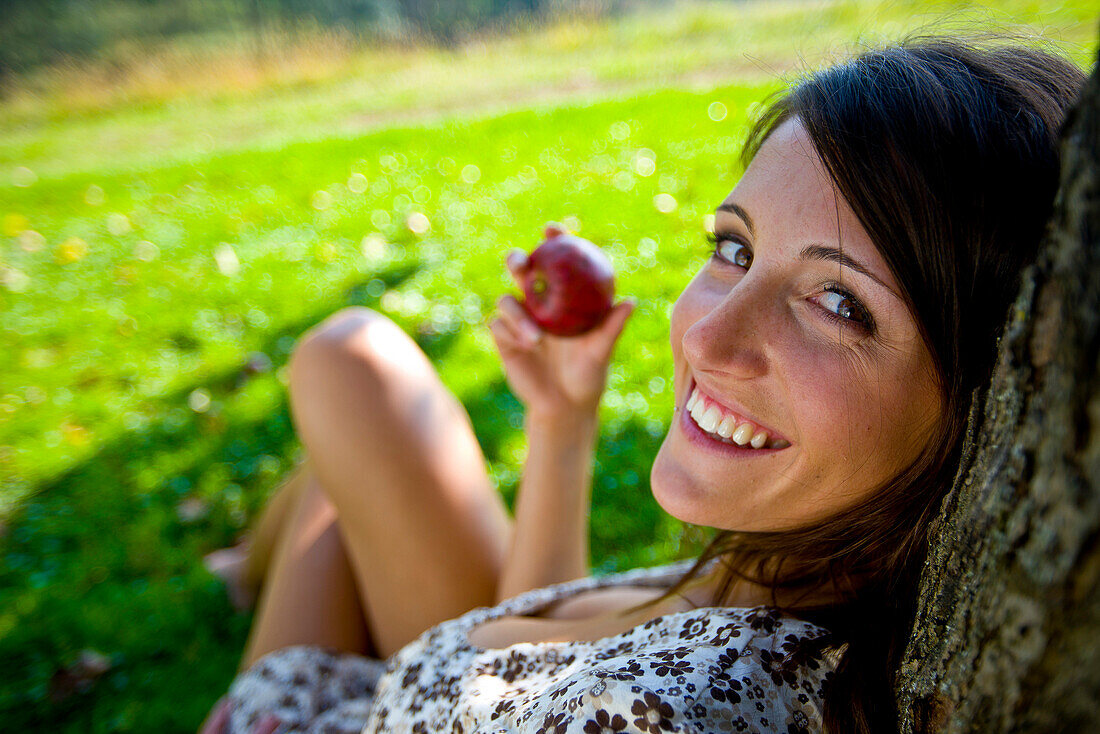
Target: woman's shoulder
{"x":657,"y":576}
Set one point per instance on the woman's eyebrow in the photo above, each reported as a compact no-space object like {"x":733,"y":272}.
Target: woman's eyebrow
{"x":810,"y":252}
{"x":735,"y":209}
{"x":831,"y":254}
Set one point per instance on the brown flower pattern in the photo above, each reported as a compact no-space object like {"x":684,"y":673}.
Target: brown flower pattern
{"x":706,"y":670}
{"x":654,"y":715}
{"x":604,"y":723}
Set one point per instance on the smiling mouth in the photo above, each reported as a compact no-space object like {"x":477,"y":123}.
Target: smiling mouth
{"x":720,"y":424}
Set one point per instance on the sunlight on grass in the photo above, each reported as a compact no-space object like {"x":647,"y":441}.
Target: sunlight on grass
{"x":223,"y":97}
{"x":144,"y":390}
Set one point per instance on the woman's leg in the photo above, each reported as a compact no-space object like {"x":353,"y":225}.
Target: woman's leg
{"x":393,"y":451}
{"x":273,"y":522}
{"x":244,"y":566}
{"x":310,"y":597}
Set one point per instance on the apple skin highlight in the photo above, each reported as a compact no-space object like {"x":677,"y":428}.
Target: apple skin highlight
{"x":568,"y":284}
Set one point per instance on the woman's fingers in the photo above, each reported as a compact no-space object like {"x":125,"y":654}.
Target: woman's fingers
{"x":551,"y":230}
{"x":267,"y":724}
{"x":612,"y":326}
{"x":518,"y":320}
{"x":506,"y":337}
{"x":516,"y":261}
{"x":521,"y":330}
{"x":217,"y":719}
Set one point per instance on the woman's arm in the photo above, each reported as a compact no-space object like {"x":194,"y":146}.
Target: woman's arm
{"x":550,"y":541}
{"x":560,"y":381}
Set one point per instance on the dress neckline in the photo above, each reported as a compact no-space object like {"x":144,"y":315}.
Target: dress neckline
{"x":663,"y":623}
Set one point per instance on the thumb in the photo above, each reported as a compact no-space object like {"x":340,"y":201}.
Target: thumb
{"x":615,"y":322}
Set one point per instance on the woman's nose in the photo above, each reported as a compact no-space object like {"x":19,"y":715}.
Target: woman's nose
{"x":732,"y":335}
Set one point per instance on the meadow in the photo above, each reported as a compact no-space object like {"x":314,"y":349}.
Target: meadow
{"x":169,"y":230}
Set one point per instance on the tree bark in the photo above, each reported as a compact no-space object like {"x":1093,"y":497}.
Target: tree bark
{"x":1007,"y":634}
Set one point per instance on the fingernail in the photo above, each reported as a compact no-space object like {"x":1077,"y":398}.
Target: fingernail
{"x":267,"y":724}
{"x":554,"y":229}
{"x":532,"y":333}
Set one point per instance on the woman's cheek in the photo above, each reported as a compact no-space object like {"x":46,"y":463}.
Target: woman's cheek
{"x":832,"y":405}
{"x":681,"y":319}
{"x":697,"y":300}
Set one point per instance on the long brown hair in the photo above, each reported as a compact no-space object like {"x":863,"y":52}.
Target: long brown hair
{"x":947,"y":153}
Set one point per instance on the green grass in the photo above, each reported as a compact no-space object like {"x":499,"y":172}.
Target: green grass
{"x":122,"y":116}
{"x":118,"y":345}
{"x":143,"y":415}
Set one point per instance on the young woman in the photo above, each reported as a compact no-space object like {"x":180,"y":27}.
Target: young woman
{"x":824,"y":361}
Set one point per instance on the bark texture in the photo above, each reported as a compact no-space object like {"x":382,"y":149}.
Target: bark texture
{"x":1007,"y":635}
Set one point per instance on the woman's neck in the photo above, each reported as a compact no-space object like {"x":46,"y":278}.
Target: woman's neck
{"x":746,"y":594}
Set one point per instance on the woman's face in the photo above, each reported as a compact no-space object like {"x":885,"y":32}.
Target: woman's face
{"x":801,"y":380}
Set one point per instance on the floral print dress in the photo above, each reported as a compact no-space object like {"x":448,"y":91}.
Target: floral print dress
{"x":712,"y":669}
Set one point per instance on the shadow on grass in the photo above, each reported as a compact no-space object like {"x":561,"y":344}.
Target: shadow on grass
{"x":106,"y":556}
{"x":108,"y":620}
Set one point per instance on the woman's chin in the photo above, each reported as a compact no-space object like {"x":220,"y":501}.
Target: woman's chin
{"x":681,"y":494}
{"x":678,"y":494}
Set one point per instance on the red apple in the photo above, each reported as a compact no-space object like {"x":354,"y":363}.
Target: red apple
{"x":568,"y":283}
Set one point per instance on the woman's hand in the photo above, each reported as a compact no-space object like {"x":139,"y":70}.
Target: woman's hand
{"x":552,"y":374}
{"x":217,"y":721}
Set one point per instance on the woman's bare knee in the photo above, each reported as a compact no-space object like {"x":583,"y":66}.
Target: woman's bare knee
{"x":358,"y":339}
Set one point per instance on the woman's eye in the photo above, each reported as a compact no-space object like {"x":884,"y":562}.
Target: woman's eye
{"x":733,"y":252}
{"x":844,"y":306}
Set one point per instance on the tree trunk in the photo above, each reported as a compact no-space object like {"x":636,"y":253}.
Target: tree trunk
{"x":1007,"y":634}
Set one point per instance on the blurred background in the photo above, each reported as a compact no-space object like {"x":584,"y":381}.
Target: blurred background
{"x":188,"y":185}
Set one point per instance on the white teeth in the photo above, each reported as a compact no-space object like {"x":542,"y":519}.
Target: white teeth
{"x":714,"y":420}
{"x":710,"y":419}
{"x":697,"y":410}
{"x":725,"y":428}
